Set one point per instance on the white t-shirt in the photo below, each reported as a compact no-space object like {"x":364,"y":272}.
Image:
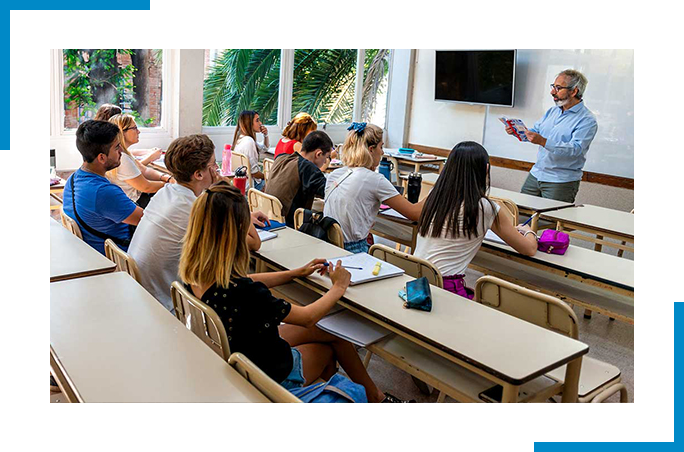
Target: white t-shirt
{"x":246,"y":145}
{"x":356,"y":200}
{"x":452,"y":255}
{"x":127,"y":170}
{"x":158,"y":240}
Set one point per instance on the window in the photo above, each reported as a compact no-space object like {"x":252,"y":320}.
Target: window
{"x":375,"y":84}
{"x":237,"y":80}
{"x":129,"y":78}
{"x":324,"y":84}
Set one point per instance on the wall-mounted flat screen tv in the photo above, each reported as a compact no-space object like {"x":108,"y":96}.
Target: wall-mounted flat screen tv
{"x":475,"y":76}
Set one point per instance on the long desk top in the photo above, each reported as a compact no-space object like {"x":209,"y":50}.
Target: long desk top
{"x":589,"y":264}
{"x":71,"y":257}
{"x":503,"y":346}
{"x":409,"y":157}
{"x":528,"y":202}
{"x":117,"y":343}
{"x":596,"y":218}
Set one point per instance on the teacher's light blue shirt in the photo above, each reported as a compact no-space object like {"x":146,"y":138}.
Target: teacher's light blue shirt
{"x":568,"y":136}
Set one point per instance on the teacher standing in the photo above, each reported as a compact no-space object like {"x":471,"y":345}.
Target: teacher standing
{"x":564,"y":135}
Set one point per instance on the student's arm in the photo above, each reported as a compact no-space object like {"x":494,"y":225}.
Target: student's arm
{"x":135,"y":217}
{"x":151,"y":157}
{"x":297,"y":146}
{"x":308,"y":316}
{"x":257,"y":175}
{"x":273,"y":279}
{"x":503,"y":227}
{"x":253,"y":240}
{"x":154,"y":175}
{"x":313,"y":180}
{"x":142,"y":184}
{"x":406,"y":208}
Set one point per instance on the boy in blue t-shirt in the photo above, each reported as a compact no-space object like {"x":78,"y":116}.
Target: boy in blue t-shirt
{"x":100,"y":205}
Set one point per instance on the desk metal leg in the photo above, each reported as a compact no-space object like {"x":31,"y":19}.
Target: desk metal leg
{"x":571,"y":384}
{"x":510,"y":394}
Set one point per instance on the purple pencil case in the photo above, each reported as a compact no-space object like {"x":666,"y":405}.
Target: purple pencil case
{"x":553,"y":242}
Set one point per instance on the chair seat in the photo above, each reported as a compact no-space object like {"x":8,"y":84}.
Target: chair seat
{"x":444,"y":375}
{"x":595,"y":375}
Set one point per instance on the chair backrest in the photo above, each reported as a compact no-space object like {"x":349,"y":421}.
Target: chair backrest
{"x":412,"y":265}
{"x":510,"y":206}
{"x":70,"y":224}
{"x":535,"y":307}
{"x":268,"y":204}
{"x":200,"y":319}
{"x":335,"y":235}
{"x":268,"y":164}
{"x":238,"y":159}
{"x":258,"y":378}
{"x":124,"y":262}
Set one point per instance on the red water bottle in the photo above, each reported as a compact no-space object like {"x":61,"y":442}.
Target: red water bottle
{"x":240,"y":179}
{"x":226,"y":166}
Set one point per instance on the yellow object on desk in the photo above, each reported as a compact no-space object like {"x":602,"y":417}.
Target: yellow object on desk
{"x":376,"y":269}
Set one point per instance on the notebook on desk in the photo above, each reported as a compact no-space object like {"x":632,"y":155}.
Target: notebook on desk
{"x":366,"y":263}
{"x":266,"y":235}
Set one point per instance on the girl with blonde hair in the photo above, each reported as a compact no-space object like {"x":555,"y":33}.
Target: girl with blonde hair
{"x":353,"y":193}
{"x":214,"y":265}
{"x":244,"y":142}
{"x":136,"y":180}
{"x":294,"y":133}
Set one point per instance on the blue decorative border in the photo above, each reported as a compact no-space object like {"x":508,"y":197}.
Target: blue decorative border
{"x":629,"y":447}
{"x":43,"y":5}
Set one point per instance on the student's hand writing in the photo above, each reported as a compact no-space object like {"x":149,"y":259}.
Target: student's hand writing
{"x":260,"y":219}
{"x":523,"y":228}
{"x":316,"y":264}
{"x":339,"y":276}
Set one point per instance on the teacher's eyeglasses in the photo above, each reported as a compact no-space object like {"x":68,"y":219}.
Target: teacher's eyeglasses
{"x":558,"y":87}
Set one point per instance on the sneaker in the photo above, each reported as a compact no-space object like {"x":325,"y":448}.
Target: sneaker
{"x":389,"y":398}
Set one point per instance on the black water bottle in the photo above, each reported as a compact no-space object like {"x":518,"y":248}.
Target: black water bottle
{"x":415,"y":181}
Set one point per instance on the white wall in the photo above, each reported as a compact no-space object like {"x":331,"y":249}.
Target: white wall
{"x":442,"y":125}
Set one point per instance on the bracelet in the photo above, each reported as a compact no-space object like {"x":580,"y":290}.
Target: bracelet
{"x":531,"y":232}
{"x":167,"y":180}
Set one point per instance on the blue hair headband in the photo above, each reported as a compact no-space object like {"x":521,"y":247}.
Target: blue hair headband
{"x":359,"y":127}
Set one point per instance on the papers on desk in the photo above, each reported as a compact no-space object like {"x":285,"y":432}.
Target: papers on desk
{"x":366,"y":263}
{"x":266,"y":235}
{"x":492,"y":237}
{"x":393,"y":213}
{"x":353,"y":328}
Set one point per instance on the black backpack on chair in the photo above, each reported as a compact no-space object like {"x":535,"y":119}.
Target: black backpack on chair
{"x":316,"y":225}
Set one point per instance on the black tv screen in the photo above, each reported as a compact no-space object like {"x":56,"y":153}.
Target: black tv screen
{"x":475,"y":76}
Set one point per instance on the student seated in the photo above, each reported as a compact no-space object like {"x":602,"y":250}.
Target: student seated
{"x":156,"y":244}
{"x":353,"y":193}
{"x":244,"y":142}
{"x":297,"y":178}
{"x":294,"y":133}
{"x":214,"y":264}
{"x":136,"y":180}
{"x":457,"y":214}
{"x":102,"y":209}
{"x":105,"y":113}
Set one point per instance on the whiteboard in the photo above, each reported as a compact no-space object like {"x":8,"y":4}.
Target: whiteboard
{"x":609,"y":95}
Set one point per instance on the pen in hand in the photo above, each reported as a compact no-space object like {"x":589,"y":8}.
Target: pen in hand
{"x":327,"y":264}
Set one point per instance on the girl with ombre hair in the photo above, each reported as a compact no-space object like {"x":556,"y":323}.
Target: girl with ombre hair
{"x":294,"y":133}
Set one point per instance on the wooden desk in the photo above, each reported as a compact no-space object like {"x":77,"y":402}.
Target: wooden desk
{"x":113,"y":342}
{"x":499,"y":347}
{"x":416,"y":162}
{"x":160,"y":166}
{"x":71,"y":257}
{"x":596,"y":220}
{"x":599,"y":281}
{"x":399,"y":230}
{"x":56,"y":191}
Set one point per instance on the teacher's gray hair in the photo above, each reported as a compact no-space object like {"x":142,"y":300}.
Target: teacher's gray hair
{"x":577,"y":80}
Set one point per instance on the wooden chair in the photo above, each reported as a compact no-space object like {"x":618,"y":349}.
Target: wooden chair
{"x":238,"y":159}
{"x":268,"y":164}
{"x":124,"y":262}
{"x":200,"y":319}
{"x":510,"y":206}
{"x":70,"y":224}
{"x":335,"y":235}
{"x":258,"y":378}
{"x":553,"y":314}
{"x":268,"y":204}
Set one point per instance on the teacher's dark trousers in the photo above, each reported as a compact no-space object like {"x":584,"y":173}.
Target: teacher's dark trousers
{"x":560,"y":191}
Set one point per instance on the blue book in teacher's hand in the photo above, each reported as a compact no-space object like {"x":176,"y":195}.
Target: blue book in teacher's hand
{"x":274,"y":226}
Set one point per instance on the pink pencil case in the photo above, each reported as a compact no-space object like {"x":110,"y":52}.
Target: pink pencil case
{"x":553,"y":242}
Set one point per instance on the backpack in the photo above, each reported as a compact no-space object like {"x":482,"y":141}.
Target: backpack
{"x":316,"y":225}
{"x":339,"y":389}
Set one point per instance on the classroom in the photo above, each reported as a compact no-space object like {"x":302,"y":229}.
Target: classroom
{"x":342,"y":225}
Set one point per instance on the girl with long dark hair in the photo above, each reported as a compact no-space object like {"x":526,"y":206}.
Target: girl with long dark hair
{"x":244,"y":142}
{"x":457,"y":214}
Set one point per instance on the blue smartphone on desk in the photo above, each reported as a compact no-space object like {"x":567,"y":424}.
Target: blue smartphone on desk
{"x":273,"y":226}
